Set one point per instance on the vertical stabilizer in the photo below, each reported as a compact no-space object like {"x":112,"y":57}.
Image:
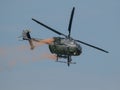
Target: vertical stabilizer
{"x":26,"y":36}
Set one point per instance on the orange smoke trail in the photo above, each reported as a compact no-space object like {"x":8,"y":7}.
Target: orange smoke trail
{"x":45,"y":56}
{"x":42,"y":42}
{"x":22,"y":48}
{"x":12,"y":63}
{"x":2,"y":52}
{"x":49,"y":56}
{"x":10,"y":57}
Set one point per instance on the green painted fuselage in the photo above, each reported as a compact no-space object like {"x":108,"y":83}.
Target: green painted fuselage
{"x":65,"y":47}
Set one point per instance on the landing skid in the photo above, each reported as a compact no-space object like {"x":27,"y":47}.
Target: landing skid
{"x":68,"y":57}
{"x":66,"y":62}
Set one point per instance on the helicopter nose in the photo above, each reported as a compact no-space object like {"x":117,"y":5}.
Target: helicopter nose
{"x":78,"y":52}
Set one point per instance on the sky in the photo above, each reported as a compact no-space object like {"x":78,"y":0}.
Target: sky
{"x":95,"y":21}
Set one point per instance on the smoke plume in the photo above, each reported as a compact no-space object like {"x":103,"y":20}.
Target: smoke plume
{"x":10,"y":57}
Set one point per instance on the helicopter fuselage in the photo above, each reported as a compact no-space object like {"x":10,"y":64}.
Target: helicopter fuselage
{"x":63,"y":47}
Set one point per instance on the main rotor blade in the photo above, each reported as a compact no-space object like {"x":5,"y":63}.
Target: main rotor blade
{"x":70,"y":22}
{"x":92,"y":46}
{"x":48,"y":27}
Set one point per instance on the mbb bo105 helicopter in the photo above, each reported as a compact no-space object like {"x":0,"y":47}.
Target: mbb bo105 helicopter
{"x":63,"y":47}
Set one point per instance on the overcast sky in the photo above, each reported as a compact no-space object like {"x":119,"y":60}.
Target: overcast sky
{"x":95,"y":21}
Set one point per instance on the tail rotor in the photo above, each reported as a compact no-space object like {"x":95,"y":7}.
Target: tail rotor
{"x":26,"y":36}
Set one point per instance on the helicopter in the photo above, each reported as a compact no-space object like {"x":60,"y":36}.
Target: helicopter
{"x":62,"y":47}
